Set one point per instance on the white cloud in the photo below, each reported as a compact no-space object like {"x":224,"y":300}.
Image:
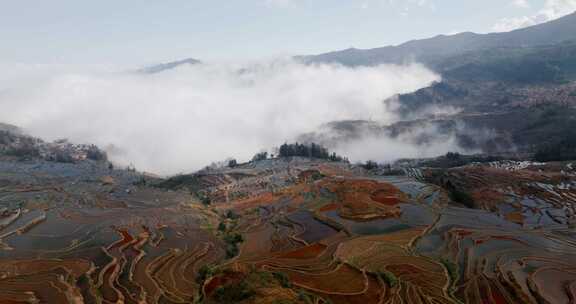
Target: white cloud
{"x":521,"y":3}
{"x":403,"y":6}
{"x":552,"y":9}
{"x":280,"y":3}
{"x":385,"y":149}
{"x":183,"y":119}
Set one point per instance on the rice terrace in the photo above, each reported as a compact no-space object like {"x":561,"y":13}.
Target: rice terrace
{"x":288,"y":152}
{"x":287,"y":230}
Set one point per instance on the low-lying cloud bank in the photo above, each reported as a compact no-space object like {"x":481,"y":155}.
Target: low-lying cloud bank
{"x":183,"y":119}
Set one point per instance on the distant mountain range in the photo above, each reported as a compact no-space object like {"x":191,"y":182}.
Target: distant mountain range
{"x":518,"y":86}
{"x":168,"y":66}
{"x":10,"y":129}
{"x":436,"y":51}
{"x":515,"y":91}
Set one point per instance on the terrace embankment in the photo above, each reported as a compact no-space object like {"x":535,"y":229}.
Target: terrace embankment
{"x":287,"y":231}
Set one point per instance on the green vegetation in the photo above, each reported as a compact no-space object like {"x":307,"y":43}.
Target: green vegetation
{"x":456,"y":192}
{"x":461,"y":197}
{"x":370,"y":165}
{"x":204,"y":198}
{"x":557,"y":152}
{"x":181,"y":181}
{"x":233,"y":293}
{"x":389,"y":278}
{"x":232,"y":241}
{"x":232,"y":163}
{"x":231,"y":214}
{"x":243,"y":287}
{"x":204,"y":273}
{"x":260,"y":156}
{"x":282,"y":279}
{"x":552,"y":131}
{"x":306,"y":297}
{"x":222,"y":227}
{"x":455,"y":159}
{"x":283,"y":301}
{"x":18,"y":146}
{"x":94,"y":153}
{"x":452,"y":269}
{"x":308,"y":150}
{"x":543,"y":64}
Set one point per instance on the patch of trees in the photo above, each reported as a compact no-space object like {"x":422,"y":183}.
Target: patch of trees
{"x":460,"y":196}
{"x":311,"y":150}
{"x":455,"y":159}
{"x":60,"y":156}
{"x":204,"y":198}
{"x":94,"y":153}
{"x":232,"y":163}
{"x":232,"y":241}
{"x":562,"y":151}
{"x":458,"y":192}
{"x":560,"y":145}
{"x":260,"y":156}
{"x":23,"y":151}
{"x":18,"y":146}
{"x":194,"y":183}
{"x":6,"y":138}
{"x":549,"y":64}
{"x":370,"y":165}
{"x":234,"y":292}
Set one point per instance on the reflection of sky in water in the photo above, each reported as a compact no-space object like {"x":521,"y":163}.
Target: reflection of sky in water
{"x":536,"y":211}
{"x":372,"y":227}
{"x":412,"y":187}
{"x":416,"y":214}
{"x":505,"y":208}
{"x":315,"y":230}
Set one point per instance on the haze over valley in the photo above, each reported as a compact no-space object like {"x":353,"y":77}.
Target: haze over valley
{"x":255,"y":167}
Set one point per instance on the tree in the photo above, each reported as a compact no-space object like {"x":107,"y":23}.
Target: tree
{"x":94,"y":153}
{"x":311,"y":150}
{"x":453,"y":156}
{"x":369,"y":165}
{"x":260,"y":156}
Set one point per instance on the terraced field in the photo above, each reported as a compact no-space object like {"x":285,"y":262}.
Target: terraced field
{"x":287,"y":231}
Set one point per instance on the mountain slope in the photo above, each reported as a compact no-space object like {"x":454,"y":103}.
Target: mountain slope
{"x":433,"y":51}
{"x":168,"y":66}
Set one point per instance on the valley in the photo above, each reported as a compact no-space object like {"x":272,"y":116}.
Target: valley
{"x":292,"y":230}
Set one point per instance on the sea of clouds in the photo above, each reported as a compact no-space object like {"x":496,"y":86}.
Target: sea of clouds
{"x":182,"y":119}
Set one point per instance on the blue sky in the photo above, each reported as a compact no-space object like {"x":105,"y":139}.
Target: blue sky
{"x":138,"y":32}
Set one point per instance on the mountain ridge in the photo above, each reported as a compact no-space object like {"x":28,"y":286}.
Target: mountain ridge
{"x":432,"y":51}
{"x":158,"y":68}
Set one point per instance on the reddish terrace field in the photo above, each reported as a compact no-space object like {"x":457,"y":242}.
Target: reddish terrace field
{"x":286,"y":231}
{"x":364,"y":199}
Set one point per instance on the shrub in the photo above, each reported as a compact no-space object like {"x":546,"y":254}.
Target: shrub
{"x":311,"y":150}
{"x":232,"y":163}
{"x":282,"y":279}
{"x":232,"y":241}
{"x":94,"y":153}
{"x":462,"y":197}
{"x":232,"y":215}
{"x":25,"y":150}
{"x":204,"y":273}
{"x":222,"y":227}
{"x":260,"y":156}
{"x":370,"y":165}
{"x":452,"y":269}
{"x":204,"y":198}
{"x":389,"y":278}
{"x":233,"y":293}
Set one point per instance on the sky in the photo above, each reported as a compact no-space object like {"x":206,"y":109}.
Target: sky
{"x":141,"y":32}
